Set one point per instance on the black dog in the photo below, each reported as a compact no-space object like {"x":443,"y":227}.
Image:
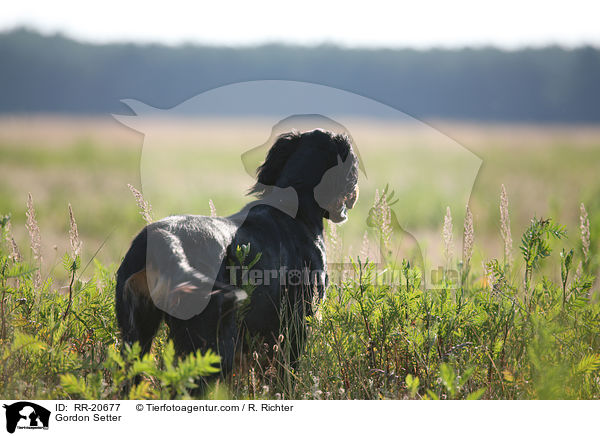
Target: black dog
{"x":186,"y":269}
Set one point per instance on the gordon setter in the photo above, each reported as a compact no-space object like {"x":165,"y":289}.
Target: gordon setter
{"x":192,"y":271}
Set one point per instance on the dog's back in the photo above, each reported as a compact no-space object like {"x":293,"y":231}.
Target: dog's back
{"x":185,"y":269}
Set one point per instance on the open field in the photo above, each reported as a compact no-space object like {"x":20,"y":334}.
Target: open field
{"x":88,"y":162}
{"x":526,"y":339}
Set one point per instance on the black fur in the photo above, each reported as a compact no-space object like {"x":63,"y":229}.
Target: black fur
{"x":296,"y":160}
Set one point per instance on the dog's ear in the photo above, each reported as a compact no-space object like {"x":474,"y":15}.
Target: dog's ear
{"x":270,"y":170}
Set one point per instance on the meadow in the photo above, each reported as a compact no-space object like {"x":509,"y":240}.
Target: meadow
{"x":518,"y":320}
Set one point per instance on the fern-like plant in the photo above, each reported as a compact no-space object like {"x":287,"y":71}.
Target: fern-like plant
{"x":535,"y":245}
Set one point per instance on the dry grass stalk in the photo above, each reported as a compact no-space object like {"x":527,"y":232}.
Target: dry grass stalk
{"x":578,"y":272}
{"x":468,"y":238}
{"x":74,"y":234}
{"x":584,"y":225}
{"x":505,"y":227}
{"x":333,"y":242}
{"x":36,"y":241}
{"x":333,"y":246}
{"x":383,"y":220}
{"x":145,"y":207}
{"x":447,"y":235}
{"x":213,"y":209}
{"x":315,"y":305}
{"x":364,"y":249}
{"x":15,"y":254}
{"x":386,"y":222}
{"x":489,"y":280}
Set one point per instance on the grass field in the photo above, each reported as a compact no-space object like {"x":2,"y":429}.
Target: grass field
{"x":511,"y":331}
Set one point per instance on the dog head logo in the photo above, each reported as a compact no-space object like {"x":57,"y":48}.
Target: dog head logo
{"x":411,"y":157}
{"x":26,"y":415}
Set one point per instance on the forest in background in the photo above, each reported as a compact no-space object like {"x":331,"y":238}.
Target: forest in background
{"x":42,"y":74}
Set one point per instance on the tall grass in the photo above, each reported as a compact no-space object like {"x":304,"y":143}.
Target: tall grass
{"x":519,"y":333}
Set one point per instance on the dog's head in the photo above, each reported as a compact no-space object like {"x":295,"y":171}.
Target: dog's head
{"x":320,"y":165}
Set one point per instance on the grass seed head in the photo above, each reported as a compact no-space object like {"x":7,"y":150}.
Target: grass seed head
{"x":15,"y":253}
{"x":468,"y":237}
{"x":584,"y":226}
{"x":74,"y":234}
{"x":505,"y":226}
{"x":382,"y":217}
{"x":213,"y":209}
{"x":447,"y":235}
{"x":36,"y":240}
{"x":364,"y":249}
{"x":145,"y":207}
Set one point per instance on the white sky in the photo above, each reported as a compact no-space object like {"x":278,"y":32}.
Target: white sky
{"x":374,"y":23}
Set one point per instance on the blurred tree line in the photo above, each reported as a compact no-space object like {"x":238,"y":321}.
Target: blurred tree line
{"x":56,"y":74}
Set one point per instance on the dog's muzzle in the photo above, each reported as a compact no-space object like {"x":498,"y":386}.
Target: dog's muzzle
{"x":338,"y":212}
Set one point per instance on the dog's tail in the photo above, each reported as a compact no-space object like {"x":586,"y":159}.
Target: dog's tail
{"x":137,"y":316}
{"x":156,"y":278}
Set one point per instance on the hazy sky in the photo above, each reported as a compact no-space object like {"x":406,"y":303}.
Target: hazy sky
{"x":415,"y":23}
